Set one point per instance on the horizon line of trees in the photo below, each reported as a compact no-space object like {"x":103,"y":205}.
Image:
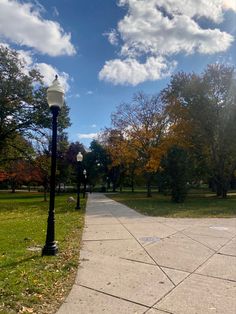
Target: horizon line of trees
{"x":182,"y":136}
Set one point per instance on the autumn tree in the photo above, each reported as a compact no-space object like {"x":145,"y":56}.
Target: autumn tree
{"x":144,"y":124}
{"x":123,"y":157}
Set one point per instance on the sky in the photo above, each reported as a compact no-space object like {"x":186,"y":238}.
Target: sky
{"x":105,"y":51}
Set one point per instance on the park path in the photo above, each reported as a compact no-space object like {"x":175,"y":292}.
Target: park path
{"x":130,"y":263}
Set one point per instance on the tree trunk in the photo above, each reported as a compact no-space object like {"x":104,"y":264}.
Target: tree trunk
{"x":45,"y":194}
{"x":221,"y":189}
{"x":132,"y":185}
{"x":149,"y":192}
{"x":13,"y":187}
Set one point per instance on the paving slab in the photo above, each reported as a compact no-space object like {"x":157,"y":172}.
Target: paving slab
{"x":229,"y":248}
{"x":132,"y":219}
{"x":155,"y":311}
{"x":218,"y":231}
{"x":104,"y":219}
{"x":221,"y":266}
{"x":101,"y":232}
{"x":180,"y":224}
{"x":137,"y":282}
{"x":179,"y":252}
{"x":126,"y":249}
{"x":82,"y":300}
{"x":201,"y":295}
{"x":144,"y":231}
{"x":175,"y":275}
{"x":214,"y":243}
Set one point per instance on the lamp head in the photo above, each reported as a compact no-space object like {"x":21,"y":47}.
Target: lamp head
{"x":55,"y":94}
{"x":79,"y":157}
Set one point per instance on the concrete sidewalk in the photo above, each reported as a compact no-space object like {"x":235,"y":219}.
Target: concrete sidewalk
{"x":130,"y":263}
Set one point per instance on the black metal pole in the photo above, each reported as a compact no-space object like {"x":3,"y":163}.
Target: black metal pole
{"x":84,"y":191}
{"x":78,"y":185}
{"x":50,"y":247}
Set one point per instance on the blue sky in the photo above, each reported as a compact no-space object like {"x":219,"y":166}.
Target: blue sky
{"x":106,"y":50}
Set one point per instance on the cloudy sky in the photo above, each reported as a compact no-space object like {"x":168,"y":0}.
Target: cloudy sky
{"x":106,"y":50}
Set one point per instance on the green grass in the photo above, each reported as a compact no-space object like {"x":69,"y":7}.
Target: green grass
{"x":30,"y":283}
{"x":198,"y":204}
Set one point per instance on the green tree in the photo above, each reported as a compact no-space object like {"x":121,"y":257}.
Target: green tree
{"x":208,"y":102}
{"x":175,"y":173}
{"x":96,"y":163}
{"x":23,"y":107}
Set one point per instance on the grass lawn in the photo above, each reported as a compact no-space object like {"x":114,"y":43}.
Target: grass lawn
{"x":198,"y":204}
{"x":30,"y":283}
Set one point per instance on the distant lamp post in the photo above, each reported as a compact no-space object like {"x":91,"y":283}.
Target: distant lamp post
{"x":55,"y":99}
{"x":85,"y":181}
{"x":79,"y":159}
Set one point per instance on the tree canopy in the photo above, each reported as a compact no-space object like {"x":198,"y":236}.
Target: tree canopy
{"x":23,"y":107}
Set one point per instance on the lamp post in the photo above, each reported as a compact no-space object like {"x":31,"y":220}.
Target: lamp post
{"x":55,"y":99}
{"x":79,"y":158}
{"x":85,"y":179}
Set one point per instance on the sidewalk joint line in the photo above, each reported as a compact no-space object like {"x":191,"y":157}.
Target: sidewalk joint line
{"x":114,"y":296}
{"x":226,"y":254}
{"x":209,"y":276}
{"x":163,"y":311}
{"x":160,"y":267}
{"x":145,"y":249}
{"x":133,"y":260}
{"x":148,"y":253}
{"x":203,"y":244}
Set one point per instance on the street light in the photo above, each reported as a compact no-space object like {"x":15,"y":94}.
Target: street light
{"x":85,"y":179}
{"x":55,"y":99}
{"x":79,"y":158}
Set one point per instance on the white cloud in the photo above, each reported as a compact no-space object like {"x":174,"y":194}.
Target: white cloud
{"x":112,"y":37}
{"x":88,"y":135}
{"x":89,"y":92}
{"x":93,"y":125}
{"x":230,"y":4}
{"x":130,"y":71}
{"x":157,"y":30}
{"x":22,"y":24}
{"x":49,"y":73}
{"x":55,"y":12}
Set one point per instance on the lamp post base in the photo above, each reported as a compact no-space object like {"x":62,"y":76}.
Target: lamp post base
{"x":50,"y":249}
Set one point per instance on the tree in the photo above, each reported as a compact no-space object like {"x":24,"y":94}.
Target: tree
{"x":96,"y":162}
{"x":123,"y":157}
{"x":63,"y":174}
{"x":71,"y":161}
{"x":208,"y":103}
{"x":143,"y":125}
{"x":42,"y":170}
{"x":23,"y":107}
{"x":175,"y":173}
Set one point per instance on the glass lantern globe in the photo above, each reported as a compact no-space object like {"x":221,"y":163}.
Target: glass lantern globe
{"x":79,"y":157}
{"x":55,"y":94}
